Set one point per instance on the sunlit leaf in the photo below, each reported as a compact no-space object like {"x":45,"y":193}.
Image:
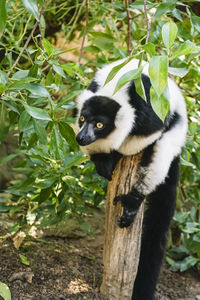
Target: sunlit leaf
{"x":127,"y":77}
{"x":36,"y":112}
{"x":115,"y":70}
{"x":158,"y":73}
{"x":186,"y":48}
{"x":4,"y":289}
{"x":24,"y":260}
{"x":150,"y":48}
{"x":181,"y":72}
{"x":32,"y":7}
{"x":169,"y":32}
{"x":160,"y":104}
{"x":48,"y":47}
{"x":140,"y":88}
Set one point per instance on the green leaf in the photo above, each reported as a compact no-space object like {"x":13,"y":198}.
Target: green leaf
{"x":4,"y":122}
{"x":169,"y":32}
{"x":56,"y":144}
{"x":59,"y":71}
{"x":186,"y":48}
{"x":150,"y":48}
{"x":3,"y":16}
{"x":74,"y":159}
{"x":140,"y":88}
{"x":68,"y":134}
{"x":7,"y":159}
{"x":50,"y":78}
{"x":165,"y":7}
{"x":158,"y":73}
{"x":3,"y":88}
{"x":34,"y":88}
{"x":127,"y":77}
{"x":24,"y":120}
{"x":104,"y":37}
{"x":32,"y":7}
{"x":22,"y":75}
{"x":139,"y":4}
{"x":48,"y":47}
{"x":195,"y":20}
{"x":115,"y":70}
{"x":40,"y":131}
{"x":188,"y":262}
{"x":57,"y":52}
{"x":91,"y":49}
{"x":24,"y":260}
{"x":4,"y":289}
{"x":181,"y":72}
{"x":3,"y":77}
{"x":33,"y":71}
{"x":36,"y":112}
{"x":160,"y":104}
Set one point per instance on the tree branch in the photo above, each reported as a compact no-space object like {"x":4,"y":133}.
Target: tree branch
{"x":129,"y":25}
{"x":85,"y":31}
{"x":147,"y":22}
{"x":28,"y":40}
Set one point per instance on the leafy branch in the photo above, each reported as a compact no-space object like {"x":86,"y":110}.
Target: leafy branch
{"x":85,"y":31}
{"x":28,"y":40}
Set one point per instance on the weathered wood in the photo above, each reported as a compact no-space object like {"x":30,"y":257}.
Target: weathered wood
{"x":122,"y":245}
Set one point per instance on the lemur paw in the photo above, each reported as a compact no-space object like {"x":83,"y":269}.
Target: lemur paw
{"x":130,"y":203}
{"x":129,"y":212}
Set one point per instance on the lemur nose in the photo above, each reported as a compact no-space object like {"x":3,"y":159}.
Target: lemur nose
{"x":79,"y":139}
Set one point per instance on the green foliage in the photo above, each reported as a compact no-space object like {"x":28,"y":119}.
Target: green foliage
{"x":37,"y":91}
{"x":186,"y":253}
{"x":4,"y":291}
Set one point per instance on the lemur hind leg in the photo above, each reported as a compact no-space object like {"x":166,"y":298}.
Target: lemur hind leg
{"x":159,"y":212}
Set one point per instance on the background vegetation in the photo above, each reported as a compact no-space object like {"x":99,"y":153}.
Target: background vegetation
{"x":49,"y":51}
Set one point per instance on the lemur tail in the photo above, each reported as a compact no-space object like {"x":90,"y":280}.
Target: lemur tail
{"x":158,"y":215}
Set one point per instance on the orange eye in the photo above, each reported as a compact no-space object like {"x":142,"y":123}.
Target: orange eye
{"x":82,"y":119}
{"x":99,"y":125}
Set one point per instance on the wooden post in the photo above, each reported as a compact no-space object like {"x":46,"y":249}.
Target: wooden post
{"x":121,"y":245}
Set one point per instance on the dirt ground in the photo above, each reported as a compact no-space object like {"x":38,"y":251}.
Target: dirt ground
{"x":65,"y":268}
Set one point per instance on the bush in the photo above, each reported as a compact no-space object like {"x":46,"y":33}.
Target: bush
{"x":37,"y":98}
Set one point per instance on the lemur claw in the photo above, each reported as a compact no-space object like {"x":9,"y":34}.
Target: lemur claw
{"x":130,"y":206}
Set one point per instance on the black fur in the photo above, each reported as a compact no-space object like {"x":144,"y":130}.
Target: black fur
{"x":93,"y":87}
{"x":158,"y":215}
{"x":105,"y":163}
{"x":171,"y":122}
{"x":130,"y":203}
{"x":147,"y":122}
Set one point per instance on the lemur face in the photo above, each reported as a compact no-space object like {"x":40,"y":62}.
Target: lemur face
{"x":96,"y":119}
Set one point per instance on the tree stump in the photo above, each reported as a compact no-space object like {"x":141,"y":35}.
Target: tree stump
{"x":121,"y":245}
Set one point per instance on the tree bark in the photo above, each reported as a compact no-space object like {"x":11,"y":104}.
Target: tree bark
{"x":121,"y":245}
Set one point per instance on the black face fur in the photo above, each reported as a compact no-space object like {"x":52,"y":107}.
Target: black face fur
{"x":97,"y":109}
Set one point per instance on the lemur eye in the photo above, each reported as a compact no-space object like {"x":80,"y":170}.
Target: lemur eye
{"x":99,"y":125}
{"x":82,"y":119}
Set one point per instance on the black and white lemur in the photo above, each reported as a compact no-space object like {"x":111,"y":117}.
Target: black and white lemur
{"x":110,"y":126}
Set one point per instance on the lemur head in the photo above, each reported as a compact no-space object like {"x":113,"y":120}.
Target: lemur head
{"x":96,"y":119}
